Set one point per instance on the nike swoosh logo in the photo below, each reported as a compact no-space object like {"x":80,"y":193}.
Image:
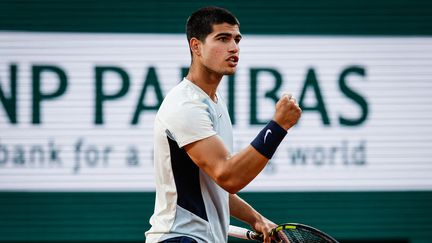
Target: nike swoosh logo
{"x":267,"y":133}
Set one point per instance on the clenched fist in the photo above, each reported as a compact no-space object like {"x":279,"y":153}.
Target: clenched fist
{"x":287,"y":111}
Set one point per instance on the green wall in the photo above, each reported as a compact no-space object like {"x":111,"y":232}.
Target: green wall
{"x":114,"y":217}
{"x":313,"y":17}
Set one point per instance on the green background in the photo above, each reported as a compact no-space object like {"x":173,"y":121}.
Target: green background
{"x":309,"y":17}
{"x":398,"y":216}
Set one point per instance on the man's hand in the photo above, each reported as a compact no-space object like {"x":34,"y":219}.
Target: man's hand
{"x":264,"y":226}
{"x":287,"y":111}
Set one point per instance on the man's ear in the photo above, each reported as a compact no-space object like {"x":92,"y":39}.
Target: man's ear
{"x":195,"y":46}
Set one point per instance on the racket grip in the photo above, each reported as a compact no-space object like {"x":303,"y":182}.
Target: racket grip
{"x":243,"y":233}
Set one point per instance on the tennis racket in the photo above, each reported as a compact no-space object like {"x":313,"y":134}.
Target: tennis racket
{"x":285,"y":233}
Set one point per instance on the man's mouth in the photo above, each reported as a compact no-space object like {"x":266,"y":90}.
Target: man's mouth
{"x":233,"y":60}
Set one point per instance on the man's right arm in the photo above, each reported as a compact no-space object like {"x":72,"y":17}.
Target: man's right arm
{"x":234,"y":172}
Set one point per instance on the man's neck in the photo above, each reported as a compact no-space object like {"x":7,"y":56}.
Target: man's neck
{"x":207,"y":81}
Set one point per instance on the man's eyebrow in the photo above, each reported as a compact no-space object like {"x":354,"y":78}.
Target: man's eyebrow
{"x":227,"y":34}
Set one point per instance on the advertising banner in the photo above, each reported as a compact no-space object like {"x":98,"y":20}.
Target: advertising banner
{"x":77,"y":109}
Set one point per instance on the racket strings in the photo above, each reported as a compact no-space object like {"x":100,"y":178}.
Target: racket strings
{"x":298,"y":236}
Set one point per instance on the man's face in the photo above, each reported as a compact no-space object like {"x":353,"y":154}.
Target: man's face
{"x":220,"y":51}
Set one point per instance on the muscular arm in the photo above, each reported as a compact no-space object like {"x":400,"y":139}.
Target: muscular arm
{"x":233,"y":172}
{"x":241,"y":210}
{"x":230,"y":172}
{"x":244,"y":212}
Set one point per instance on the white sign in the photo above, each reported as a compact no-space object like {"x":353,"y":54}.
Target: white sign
{"x":77,"y":110}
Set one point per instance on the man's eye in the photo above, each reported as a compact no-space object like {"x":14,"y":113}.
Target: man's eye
{"x":223,"y":39}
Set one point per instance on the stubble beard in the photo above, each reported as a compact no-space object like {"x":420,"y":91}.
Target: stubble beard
{"x":230,"y":71}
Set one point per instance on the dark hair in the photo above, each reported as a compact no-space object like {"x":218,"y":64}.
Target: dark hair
{"x":200,"y":23}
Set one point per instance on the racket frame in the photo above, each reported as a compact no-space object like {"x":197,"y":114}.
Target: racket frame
{"x":246,"y":234}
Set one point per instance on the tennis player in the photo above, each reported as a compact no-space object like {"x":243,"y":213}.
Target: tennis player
{"x":197,"y":175}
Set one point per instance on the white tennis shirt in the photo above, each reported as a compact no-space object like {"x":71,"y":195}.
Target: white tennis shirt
{"x":188,"y":201}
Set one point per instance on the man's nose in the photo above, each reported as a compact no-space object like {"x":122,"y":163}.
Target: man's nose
{"x":234,"y":47}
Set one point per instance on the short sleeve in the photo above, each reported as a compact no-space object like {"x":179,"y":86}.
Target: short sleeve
{"x":190,"y":122}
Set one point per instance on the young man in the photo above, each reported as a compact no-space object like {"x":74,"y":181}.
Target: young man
{"x":197,"y":175}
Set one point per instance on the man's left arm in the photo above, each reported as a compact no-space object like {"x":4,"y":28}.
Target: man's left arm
{"x":241,"y":210}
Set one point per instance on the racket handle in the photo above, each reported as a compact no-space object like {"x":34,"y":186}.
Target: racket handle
{"x":243,"y":233}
